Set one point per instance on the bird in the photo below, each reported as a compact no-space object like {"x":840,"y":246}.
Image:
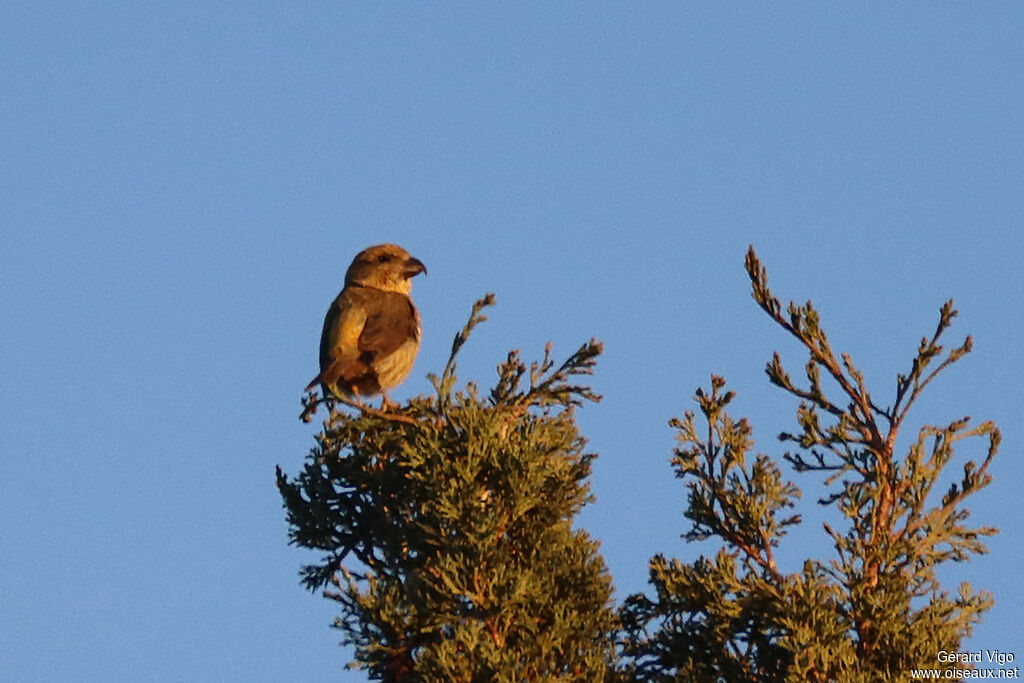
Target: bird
{"x":372,"y":329}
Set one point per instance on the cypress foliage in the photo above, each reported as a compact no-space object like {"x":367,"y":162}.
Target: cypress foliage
{"x":445,"y":528}
{"x":876,"y":609}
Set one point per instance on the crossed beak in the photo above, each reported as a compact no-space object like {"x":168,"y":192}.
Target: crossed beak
{"x":414,"y":267}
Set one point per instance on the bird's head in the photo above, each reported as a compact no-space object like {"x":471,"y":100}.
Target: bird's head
{"x":384,"y":266}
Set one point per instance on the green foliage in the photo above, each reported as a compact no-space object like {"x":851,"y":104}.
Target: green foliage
{"x":445,"y":529}
{"x":718,"y":617}
{"x":876,"y":609}
{"x":457,"y":511}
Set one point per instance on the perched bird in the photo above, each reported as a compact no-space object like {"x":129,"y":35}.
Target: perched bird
{"x":372,"y":330}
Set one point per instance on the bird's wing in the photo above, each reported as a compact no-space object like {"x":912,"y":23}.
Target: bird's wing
{"x":391,"y":321}
{"x":339,"y":341}
{"x":342,"y":326}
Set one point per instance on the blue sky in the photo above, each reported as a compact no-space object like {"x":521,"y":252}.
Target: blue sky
{"x":184,"y":184}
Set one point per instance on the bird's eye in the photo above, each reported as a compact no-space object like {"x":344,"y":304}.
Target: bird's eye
{"x":383,"y":258}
